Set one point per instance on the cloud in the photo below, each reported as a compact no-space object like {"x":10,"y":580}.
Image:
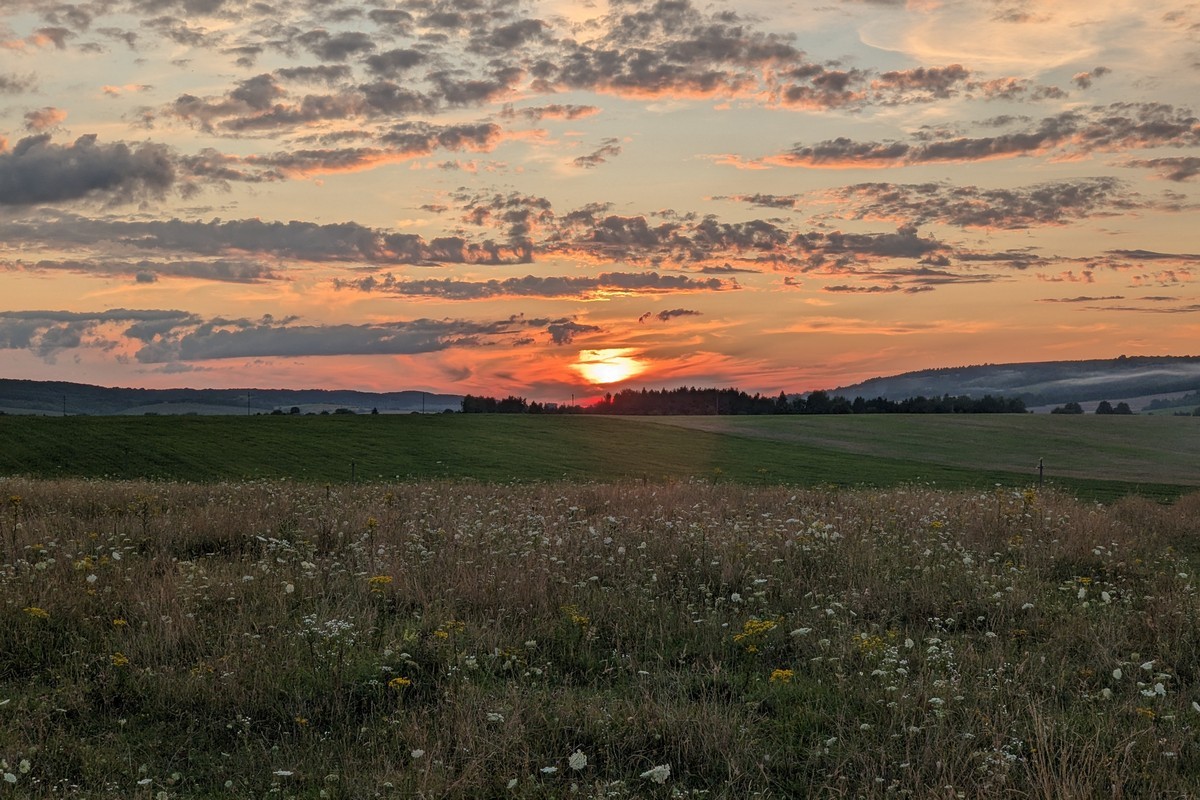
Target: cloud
{"x":1080,"y":299}
{"x":219,"y":338}
{"x":563,"y":332}
{"x":148,"y":271}
{"x":765,"y":200}
{"x":43,"y":119}
{"x":1101,"y":128}
{"x":171,"y":337}
{"x":47,"y":333}
{"x":604,"y":284}
{"x":335,"y":46}
{"x":668,"y":315}
{"x":609,"y":148}
{"x":1053,"y":203}
{"x":1084,"y":80}
{"x":38,"y":171}
{"x":17,"y":84}
{"x":1179,"y":169}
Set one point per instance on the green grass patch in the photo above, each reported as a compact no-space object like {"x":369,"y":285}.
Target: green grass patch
{"x":1102,"y":458}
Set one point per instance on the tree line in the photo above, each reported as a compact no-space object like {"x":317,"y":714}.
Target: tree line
{"x":694,"y":401}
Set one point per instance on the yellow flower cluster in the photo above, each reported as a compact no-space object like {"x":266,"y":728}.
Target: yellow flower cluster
{"x":782,"y":676}
{"x":575,"y":616}
{"x":379,"y":582}
{"x":119,"y":660}
{"x":399,"y":682}
{"x":37,"y":613}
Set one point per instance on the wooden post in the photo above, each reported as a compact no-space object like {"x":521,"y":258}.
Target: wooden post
{"x":1041,"y":471}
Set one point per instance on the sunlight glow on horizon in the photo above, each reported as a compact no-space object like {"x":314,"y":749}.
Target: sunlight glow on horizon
{"x":612,"y":365}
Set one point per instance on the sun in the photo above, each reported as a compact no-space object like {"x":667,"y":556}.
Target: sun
{"x":613,"y":365}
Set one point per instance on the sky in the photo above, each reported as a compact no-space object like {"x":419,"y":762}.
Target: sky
{"x":557,"y":199}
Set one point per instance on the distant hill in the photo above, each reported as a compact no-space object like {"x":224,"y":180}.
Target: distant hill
{"x":1043,"y":382}
{"x":52,"y":397}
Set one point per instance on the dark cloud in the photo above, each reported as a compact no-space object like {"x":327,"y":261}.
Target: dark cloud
{"x":47,"y":333}
{"x":147,"y":271}
{"x":1101,"y":128}
{"x":920,"y":84}
{"x":667,"y":316}
{"x":564,"y":331}
{"x":197,"y":340}
{"x":1183,"y":168}
{"x":971,"y":206}
{"x":553,"y":111}
{"x":609,"y":148}
{"x":1084,"y":79}
{"x":765,"y":200}
{"x":17,"y":84}
{"x":532,"y":286}
{"x":394,"y":63}
{"x":1080,"y":299}
{"x":1151,"y":255}
{"x":37,"y":170}
{"x":335,"y":46}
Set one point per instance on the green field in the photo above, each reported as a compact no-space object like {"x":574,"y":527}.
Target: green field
{"x":1099,"y":457}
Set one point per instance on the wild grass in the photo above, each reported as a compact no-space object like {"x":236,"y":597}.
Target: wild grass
{"x":458,"y":640}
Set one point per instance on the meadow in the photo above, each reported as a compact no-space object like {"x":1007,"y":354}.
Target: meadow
{"x":1101,"y":458}
{"x":678,"y":638}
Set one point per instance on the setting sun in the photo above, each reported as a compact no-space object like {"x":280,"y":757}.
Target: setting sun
{"x":608,"y":366}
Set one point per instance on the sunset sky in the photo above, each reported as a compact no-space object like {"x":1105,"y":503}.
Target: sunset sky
{"x":560,"y":198}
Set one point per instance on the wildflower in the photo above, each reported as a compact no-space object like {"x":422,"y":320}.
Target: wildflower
{"x":399,"y":682}
{"x":1142,"y":711}
{"x":512,"y":783}
{"x":289,"y":588}
{"x":119,"y":660}
{"x":495,"y":716}
{"x":24,"y":766}
{"x":577,"y":760}
{"x":549,"y":770}
{"x":1196,"y":707}
{"x":283,"y":773}
{"x":378,"y":583}
{"x":10,"y":778}
{"x":1117,"y":673}
{"x":782,"y":676}
{"x":38,"y":613}
{"x":301,"y":721}
{"x":417,"y":753}
{"x":119,"y":623}
{"x":658,"y":774}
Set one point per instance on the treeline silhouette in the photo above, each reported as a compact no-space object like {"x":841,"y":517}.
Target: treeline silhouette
{"x":693,"y":401}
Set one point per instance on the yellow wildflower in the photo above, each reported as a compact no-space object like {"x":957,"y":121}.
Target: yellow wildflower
{"x":399,"y":682}
{"x":39,"y":613}
{"x":119,"y":660}
{"x":782,"y":676}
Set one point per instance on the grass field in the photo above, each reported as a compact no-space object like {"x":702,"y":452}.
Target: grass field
{"x":1103,"y":457}
{"x":434,"y":639}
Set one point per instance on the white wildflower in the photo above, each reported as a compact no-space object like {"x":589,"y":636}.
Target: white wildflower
{"x":417,"y":753}
{"x":549,"y":770}
{"x":658,"y":774}
{"x":577,"y":760}
{"x":1117,"y":673}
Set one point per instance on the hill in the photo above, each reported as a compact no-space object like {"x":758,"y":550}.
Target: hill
{"x":59,"y":397}
{"x":1043,"y":382}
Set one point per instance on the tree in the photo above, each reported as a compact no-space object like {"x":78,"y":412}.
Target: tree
{"x":1105,"y":407}
{"x":1068,"y":408}
{"x":1122,"y":408}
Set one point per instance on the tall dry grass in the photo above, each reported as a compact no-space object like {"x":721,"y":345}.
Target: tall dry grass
{"x":477,"y":640}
